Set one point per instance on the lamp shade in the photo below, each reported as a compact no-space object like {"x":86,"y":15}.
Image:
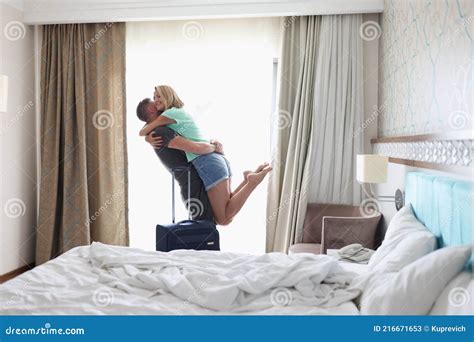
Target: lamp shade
{"x":371,"y":168}
{"x":3,"y":93}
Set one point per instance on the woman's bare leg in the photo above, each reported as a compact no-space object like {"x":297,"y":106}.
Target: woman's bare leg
{"x":219,"y":196}
{"x":225,"y":204}
{"x":239,"y":187}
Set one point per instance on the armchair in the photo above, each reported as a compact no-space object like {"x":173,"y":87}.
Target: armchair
{"x":333,"y":226}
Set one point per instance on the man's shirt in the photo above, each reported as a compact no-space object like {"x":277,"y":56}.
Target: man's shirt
{"x":172,"y":159}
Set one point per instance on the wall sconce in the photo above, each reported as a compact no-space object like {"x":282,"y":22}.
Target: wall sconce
{"x":3,"y":93}
{"x":372,"y":168}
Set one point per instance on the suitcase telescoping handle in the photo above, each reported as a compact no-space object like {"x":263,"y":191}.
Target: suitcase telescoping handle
{"x":188,"y":204}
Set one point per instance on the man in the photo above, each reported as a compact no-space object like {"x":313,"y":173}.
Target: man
{"x":174,"y":158}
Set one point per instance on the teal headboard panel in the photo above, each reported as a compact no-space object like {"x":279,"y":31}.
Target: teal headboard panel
{"x":444,"y":205}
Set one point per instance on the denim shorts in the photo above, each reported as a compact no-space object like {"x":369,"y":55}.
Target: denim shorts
{"x":213,"y":168}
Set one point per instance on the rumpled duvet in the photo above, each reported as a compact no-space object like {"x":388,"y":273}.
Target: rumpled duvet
{"x":225,"y":282}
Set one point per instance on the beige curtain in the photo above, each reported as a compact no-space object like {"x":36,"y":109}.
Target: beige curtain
{"x":292,"y":156}
{"x":83,"y":194}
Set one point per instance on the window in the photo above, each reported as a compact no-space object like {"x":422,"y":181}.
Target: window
{"x":223,"y":70}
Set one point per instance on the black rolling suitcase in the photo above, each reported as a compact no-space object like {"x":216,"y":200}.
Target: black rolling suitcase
{"x":187,"y":234}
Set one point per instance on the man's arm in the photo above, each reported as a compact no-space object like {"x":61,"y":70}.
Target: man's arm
{"x":162,"y":138}
{"x":159,"y":121}
{"x":155,"y":141}
{"x":180,"y":143}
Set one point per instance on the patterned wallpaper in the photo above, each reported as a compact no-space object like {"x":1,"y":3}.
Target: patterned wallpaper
{"x":426,"y":67}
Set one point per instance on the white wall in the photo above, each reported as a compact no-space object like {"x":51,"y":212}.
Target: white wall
{"x":17,"y":143}
{"x":371,"y":79}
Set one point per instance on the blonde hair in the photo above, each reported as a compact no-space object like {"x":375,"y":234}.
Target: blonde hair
{"x":169,"y":97}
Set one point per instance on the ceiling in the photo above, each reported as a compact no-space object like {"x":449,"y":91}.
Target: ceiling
{"x":83,"y":11}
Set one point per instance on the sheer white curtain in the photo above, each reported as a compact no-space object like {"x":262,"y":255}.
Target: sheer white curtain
{"x":223,"y":71}
{"x":321,"y":109}
{"x":293,"y":144}
{"x":338,"y":111}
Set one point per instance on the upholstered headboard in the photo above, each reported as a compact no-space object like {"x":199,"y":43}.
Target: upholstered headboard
{"x":444,"y":205}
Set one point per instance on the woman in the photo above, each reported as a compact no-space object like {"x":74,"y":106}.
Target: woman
{"x":213,"y":168}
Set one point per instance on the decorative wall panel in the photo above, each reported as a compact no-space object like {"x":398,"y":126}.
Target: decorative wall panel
{"x":446,"y":152}
{"x":426,"y":67}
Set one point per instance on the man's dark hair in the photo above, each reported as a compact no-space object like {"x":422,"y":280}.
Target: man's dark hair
{"x":142,"y":112}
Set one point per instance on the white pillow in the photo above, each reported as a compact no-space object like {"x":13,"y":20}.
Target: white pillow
{"x":457,"y":297}
{"x":414,"y":289}
{"x":406,"y":240}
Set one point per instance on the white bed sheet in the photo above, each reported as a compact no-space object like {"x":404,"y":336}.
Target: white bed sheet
{"x":67,"y":285}
{"x":353,"y":267}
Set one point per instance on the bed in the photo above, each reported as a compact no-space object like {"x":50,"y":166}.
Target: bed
{"x":70,"y":284}
{"x":109,"y":280}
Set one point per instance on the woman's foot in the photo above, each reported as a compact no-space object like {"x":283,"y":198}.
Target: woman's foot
{"x":255,"y":178}
{"x":257,"y":170}
{"x":261,"y":167}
